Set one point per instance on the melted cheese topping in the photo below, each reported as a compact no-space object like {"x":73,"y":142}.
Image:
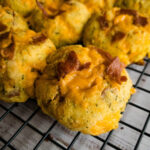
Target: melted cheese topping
{"x":131,"y":48}
{"x":67,"y":25}
{"x":84,"y":100}
{"x":18,"y":74}
{"x":75,"y":84}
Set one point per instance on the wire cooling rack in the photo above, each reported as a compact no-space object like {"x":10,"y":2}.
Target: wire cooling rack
{"x":25,"y":127}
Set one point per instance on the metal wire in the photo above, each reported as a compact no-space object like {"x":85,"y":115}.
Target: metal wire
{"x":7,"y":143}
{"x":73,"y":141}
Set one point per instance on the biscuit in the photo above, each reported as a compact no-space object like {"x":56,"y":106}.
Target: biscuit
{"x":121,"y":32}
{"x":66,"y":26}
{"x":85,"y":89}
{"x":23,"y":55}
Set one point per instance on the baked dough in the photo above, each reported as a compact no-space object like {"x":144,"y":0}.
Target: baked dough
{"x":85,"y":89}
{"x":121,"y":32}
{"x":66,"y":26}
{"x":23,"y":55}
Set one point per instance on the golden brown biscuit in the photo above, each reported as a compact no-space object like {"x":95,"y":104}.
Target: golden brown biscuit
{"x":121,"y":32}
{"x":23,"y":54}
{"x":85,"y":89}
{"x":66,"y":26}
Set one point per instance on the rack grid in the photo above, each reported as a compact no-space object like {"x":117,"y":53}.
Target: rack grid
{"x":44,"y":135}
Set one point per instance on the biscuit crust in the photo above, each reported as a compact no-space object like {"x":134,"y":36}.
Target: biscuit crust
{"x":121,"y":32}
{"x":77,"y":88}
